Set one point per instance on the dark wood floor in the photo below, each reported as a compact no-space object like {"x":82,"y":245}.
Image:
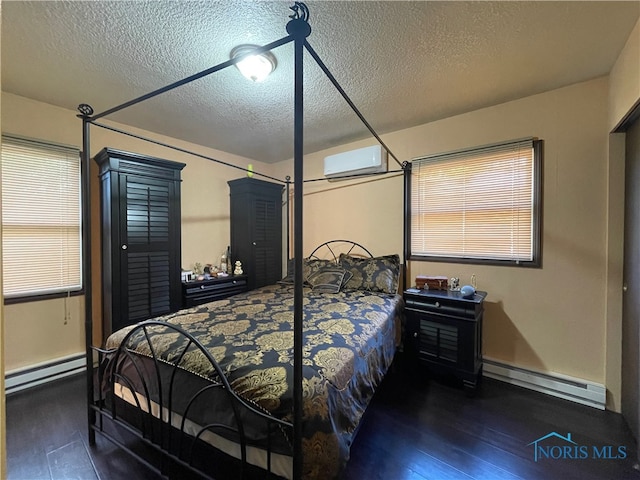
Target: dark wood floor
{"x":415,"y":429}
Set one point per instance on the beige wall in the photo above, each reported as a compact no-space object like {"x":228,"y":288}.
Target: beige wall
{"x":625,"y":80}
{"x":36,"y":331}
{"x":549,"y":319}
{"x":365,"y":211}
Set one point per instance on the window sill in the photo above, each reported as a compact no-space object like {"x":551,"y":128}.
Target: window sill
{"x":38,"y":298}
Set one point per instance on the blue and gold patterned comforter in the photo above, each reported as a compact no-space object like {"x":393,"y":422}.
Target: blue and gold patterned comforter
{"x":349,"y":342}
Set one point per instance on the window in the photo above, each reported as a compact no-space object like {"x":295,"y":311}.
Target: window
{"x":41,"y":218}
{"x":478,"y":206}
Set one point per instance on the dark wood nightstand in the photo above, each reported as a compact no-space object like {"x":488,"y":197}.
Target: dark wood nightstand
{"x":444,"y":332}
{"x":203,"y":291}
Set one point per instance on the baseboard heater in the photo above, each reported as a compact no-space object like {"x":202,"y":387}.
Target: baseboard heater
{"x":28,"y":377}
{"x":562,"y":386}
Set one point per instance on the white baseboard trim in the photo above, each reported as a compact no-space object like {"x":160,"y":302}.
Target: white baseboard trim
{"x":562,"y":386}
{"x":28,"y":377}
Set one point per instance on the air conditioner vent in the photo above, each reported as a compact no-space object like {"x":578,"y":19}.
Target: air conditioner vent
{"x":362,"y":161}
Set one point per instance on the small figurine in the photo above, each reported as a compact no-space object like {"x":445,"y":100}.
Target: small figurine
{"x":238,"y":269}
{"x":207,"y":271}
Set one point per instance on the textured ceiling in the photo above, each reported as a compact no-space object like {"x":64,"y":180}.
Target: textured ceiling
{"x":402,"y":63}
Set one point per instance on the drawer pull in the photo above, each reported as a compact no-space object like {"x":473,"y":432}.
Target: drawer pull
{"x":201,"y":287}
{"x":437,"y":304}
{"x":415,"y":334}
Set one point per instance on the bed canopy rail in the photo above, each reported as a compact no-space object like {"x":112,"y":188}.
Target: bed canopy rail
{"x":298,"y":29}
{"x":355,"y":109}
{"x":191,"y":78}
{"x":183,"y":150}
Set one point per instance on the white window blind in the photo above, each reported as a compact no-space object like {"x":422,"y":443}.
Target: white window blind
{"x":476,"y":204}
{"x":41,"y":218}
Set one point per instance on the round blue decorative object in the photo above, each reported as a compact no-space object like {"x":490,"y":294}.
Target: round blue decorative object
{"x":467,"y":291}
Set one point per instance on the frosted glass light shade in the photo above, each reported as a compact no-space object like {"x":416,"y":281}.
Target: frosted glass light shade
{"x":254,"y":67}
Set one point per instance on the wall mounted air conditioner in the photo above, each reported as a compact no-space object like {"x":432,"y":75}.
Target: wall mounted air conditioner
{"x":362,"y":161}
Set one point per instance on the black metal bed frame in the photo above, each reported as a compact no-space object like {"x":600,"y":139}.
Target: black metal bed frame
{"x":298,"y":29}
{"x":153,"y":384}
{"x":333,"y":246}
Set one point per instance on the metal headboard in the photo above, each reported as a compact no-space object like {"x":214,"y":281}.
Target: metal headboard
{"x":340,"y":246}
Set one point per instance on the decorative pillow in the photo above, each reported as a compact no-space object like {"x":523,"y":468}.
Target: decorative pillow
{"x":313,"y":265}
{"x":288,"y":279}
{"x":347,"y":276}
{"x":377,"y":274}
{"x":327,"y":279}
{"x":309,"y":267}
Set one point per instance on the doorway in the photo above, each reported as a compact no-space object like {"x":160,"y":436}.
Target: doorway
{"x":631,"y":278}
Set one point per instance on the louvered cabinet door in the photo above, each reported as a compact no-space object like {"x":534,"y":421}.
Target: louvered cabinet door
{"x":146,"y":246}
{"x":256,"y":229}
{"x":267,"y":254}
{"x":140,"y":219}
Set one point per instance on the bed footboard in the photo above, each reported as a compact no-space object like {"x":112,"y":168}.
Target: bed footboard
{"x":174,"y":418}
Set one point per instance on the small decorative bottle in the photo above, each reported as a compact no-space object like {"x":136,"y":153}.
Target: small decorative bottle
{"x":223,"y":262}
{"x":229,"y":264}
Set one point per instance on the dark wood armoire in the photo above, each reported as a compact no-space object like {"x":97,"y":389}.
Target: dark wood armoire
{"x":256,"y":229}
{"x":140,"y":230}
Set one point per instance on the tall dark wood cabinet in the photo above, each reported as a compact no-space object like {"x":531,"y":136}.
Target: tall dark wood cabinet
{"x":256,"y":229}
{"x":140,"y":229}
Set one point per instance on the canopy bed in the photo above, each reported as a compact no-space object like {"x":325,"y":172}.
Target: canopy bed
{"x":291,"y":412}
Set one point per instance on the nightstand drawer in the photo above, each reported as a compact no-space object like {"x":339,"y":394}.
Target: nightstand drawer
{"x":199,"y":288}
{"x":440,"y":308}
{"x":199,"y":292}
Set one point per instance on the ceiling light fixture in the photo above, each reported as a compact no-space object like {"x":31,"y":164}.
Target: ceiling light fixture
{"x":254,"y":67}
